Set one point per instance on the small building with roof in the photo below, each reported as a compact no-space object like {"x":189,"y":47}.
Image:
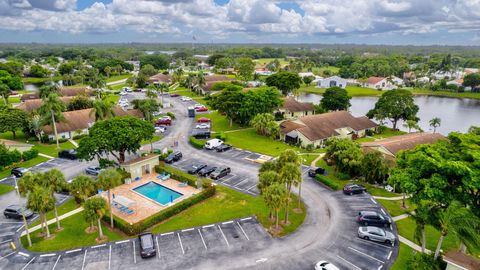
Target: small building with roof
{"x":292,"y":109}
{"x":140,"y":166}
{"x":457,"y":260}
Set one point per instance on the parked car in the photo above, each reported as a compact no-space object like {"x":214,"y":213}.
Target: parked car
{"x":68,"y":154}
{"x":220,"y":172}
{"x":376,"y":234}
{"x":93,"y":170}
{"x":212,"y":144}
{"x":350,"y":189}
{"x":203,"y":126}
{"x":373,"y":218}
{"x":15,"y":211}
{"x":127,"y":89}
{"x":198,"y":105}
{"x":203,"y":120}
{"x":174,"y":95}
{"x":324,"y":265}
{"x":202,"y":109}
{"x":223,"y":147}
{"x":201,"y":135}
{"x":163,"y":121}
{"x":157,"y":113}
{"x":19,"y":171}
{"x":123,"y":93}
{"x":185,"y":98}
{"x":207,"y":170}
{"x":314,"y":171}
{"x":160,"y":129}
{"x":175,"y":156}
{"x":147,"y":246}
{"x":196,"y":168}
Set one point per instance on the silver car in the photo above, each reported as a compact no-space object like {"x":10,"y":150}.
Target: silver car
{"x":376,"y":234}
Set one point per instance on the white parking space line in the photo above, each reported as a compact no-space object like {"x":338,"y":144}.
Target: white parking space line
{"x":243,"y":231}
{"x":29,"y":262}
{"x":134,"y":253}
{"x":208,"y":226}
{"x":73,"y":250}
{"x":373,"y":243}
{"x":226,"y":241}
{"x":245,"y":180}
{"x":227,"y":222}
{"x":356,"y":267}
{"x":109,"y":255}
{"x":158,"y":246}
{"x":9,"y":240}
{"x":371,"y":199}
{"x":164,"y":234}
{"x":9,"y":254}
{"x":366,"y":255}
{"x":97,"y":246}
{"x":187,"y":230}
{"x":228,"y":179}
{"x":380,"y":267}
{"x":383,"y":211}
{"x":247,"y":218}
{"x":48,"y":255}
{"x":203,"y":240}
{"x":121,"y":242}
{"x":181,"y":245}
{"x":24,"y":254}
{"x":7,"y":234}
{"x":389,"y":255}
{"x":21,"y":227}
{"x":55,"y":265}
{"x":11,"y":222}
{"x":250,"y":187}
{"x":84,"y":257}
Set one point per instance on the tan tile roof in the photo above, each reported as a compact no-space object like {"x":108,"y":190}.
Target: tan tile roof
{"x":461,"y":259}
{"x":322,"y":126}
{"x":374,"y":80}
{"x":405,"y":142}
{"x":74,"y":120}
{"x":140,"y":159}
{"x":33,"y":104}
{"x":118,"y":111}
{"x":292,"y":105}
{"x":160,"y":78}
{"x":217,"y":78}
{"x":64,"y":92}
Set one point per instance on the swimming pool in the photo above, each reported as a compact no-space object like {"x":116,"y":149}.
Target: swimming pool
{"x":158,"y":193}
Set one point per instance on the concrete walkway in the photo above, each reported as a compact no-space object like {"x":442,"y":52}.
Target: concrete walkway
{"x":391,"y":198}
{"x":314,"y":162}
{"x":47,"y":156}
{"x":53,"y":220}
{"x":412,"y":244}
{"x":117,"y":82}
{"x":73,"y":142}
{"x":400,"y":217}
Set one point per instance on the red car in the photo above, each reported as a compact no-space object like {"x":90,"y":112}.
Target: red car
{"x":203,"y":120}
{"x":202,"y":109}
{"x":164,"y":121}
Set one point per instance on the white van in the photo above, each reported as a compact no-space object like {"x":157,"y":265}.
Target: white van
{"x":212,"y":144}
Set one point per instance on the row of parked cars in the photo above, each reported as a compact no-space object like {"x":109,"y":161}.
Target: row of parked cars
{"x":213,"y":172}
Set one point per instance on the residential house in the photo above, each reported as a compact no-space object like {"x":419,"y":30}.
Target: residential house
{"x":211,"y":80}
{"x":293,"y":109}
{"x":31,"y":105}
{"x":457,"y":260}
{"x":467,"y":71}
{"x":457,"y":82}
{"x":14,"y":145}
{"x":331,"y":82}
{"x":263,"y":71}
{"x":160,"y":78}
{"x":440,"y":75}
{"x":389,"y":147}
{"x":64,"y":92}
{"x":383,"y":83}
{"x":136,"y":65}
{"x":316,"y":129}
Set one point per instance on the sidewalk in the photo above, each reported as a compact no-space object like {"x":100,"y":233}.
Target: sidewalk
{"x":321,"y":155}
{"x":53,"y":220}
{"x":391,"y":198}
{"x":412,"y":245}
{"x":47,"y":156}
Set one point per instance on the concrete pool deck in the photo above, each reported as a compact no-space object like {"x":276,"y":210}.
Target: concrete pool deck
{"x":143,"y":206}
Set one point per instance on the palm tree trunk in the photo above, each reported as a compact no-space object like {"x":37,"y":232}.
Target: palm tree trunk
{"x":299,"y":194}
{"x":46,"y":223}
{"x":26,"y":228}
{"x":55,"y":129}
{"x":42,"y":223}
{"x":100,"y":231}
{"x":439,"y":245}
{"x":424,"y":240}
{"x":56,"y":217}
{"x":287,"y":204}
{"x":276,"y":223}
{"x":110,"y":208}
{"x":403,"y":200}
{"x":462,"y":248}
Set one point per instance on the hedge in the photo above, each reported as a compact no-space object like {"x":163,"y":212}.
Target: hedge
{"x":136,"y":228}
{"x":196,"y":142}
{"x":30,"y":154}
{"x":326,"y":181}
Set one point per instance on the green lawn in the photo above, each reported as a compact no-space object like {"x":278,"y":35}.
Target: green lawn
{"x":51,"y":149}
{"x":112,"y":98}
{"x":405,"y":253}
{"x":26,"y":164}
{"x":264,"y":61}
{"x":118,"y":86}
{"x":225,"y":205}
{"x":219,"y":122}
{"x":40,"y":80}
{"x":5,"y":188}
{"x":66,"y":207}
{"x":418,"y":91}
{"x":395,"y":207}
{"x":389,"y":133}
{"x":72,"y":236}
{"x":119,"y":77}
{"x":154,"y":139}
{"x":354,"y":91}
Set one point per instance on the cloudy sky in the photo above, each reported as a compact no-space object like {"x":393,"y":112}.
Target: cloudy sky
{"x":418,"y":22}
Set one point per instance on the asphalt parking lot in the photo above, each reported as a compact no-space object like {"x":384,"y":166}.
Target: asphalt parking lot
{"x":181,"y":249}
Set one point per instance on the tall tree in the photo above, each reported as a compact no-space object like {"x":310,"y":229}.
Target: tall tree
{"x":102,"y":109}
{"x":46,"y":90}
{"x":108,"y":179}
{"x":51,"y":112}
{"x":471,"y":80}
{"x":245,"y":68}
{"x":412,"y":124}
{"x":290,"y":174}
{"x":25,"y":186}
{"x":95,"y":210}
{"x":55,"y":182}
{"x":82,"y":187}
{"x":422,"y":217}
{"x":262,"y":123}
{"x":285,"y":81}
{"x":374,"y":167}
{"x":265,"y":180}
{"x":435,"y":123}
{"x":346,"y":154}
{"x":275,"y":197}
{"x":12,"y":119}
{"x":40,"y":200}
{"x":335,"y":99}
{"x":395,"y":105}
{"x":147,"y":107}
{"x":4,"y":92}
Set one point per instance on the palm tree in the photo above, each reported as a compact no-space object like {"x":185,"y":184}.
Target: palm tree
{"x":51,"y":112}
{"x":102,"y":109}
{"x":4,"y":92}
{"x":25,"y":186}
{"x":269,"y":166}
{"x":40,"y":200}
{"x":275,"y":196}
{"x":458,"y":220}
{"x":412,"y":124}
{"x":35,"y":125}
{"x":97,"y":82}
{"x":265,"y":180}
{"x":200,"y":79}
{"x":95,"y":210}
{"x":82,"y":187}
{"x":421,"y":216}
{"x":46,"y":90}
{"x":177,"y":75}
{"x":107,"y":180}
{"x":190,"y":81}
{"x":55,"y":181}
{"x":290,"y":173}
{"x":261,"y":123}
{"x":435,"y":122}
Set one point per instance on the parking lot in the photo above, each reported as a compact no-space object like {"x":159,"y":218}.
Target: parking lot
{"x":180,"y":249}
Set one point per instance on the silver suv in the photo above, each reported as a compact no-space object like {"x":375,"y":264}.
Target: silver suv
{"x":376,"y":234}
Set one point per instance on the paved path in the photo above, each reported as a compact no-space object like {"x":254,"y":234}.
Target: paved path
{"x":400,"y":217}
{"x":391,"y":198}
{"x":412,"y":244}
{"x":314,"y":162}
{"x":53,"y":220}
{"x":117,"y":82}
{"x":47,"y":156}
{"x":73,"y":142}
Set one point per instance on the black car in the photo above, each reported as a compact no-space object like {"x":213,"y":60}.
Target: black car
{"x":373,"y":218}
{"x":18,"y":172}
{"x":93,"y":170}
{"x":220,"y":172}
{"x":314,"y":171}
{"x":196,"y":168}
{"x":353,"y":189}
{"x":207,"y":170}
{"x":147,"y":246}
{"x":175,"y":156}
{"x":68,"y":154}
{"x":15,"y":211}
{"x":202,"y":135}
{"x":223,"y":147}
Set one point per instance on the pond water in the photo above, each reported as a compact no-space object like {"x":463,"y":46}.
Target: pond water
{"x":36,"y":86}
{"x":457,"y":114}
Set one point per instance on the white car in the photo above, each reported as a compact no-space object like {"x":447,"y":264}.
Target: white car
{"x":186,"y":99}
{"x":160,"y":129}
{"x":324,"y":265}
{"x":376,"y":234}
{"x":203,"y":126}
{"x":157,"y":113}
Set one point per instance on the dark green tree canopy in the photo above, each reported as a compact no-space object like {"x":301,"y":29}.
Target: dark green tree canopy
{"x":471,"y":80}
{"x":79,"y":103}
{"x":13,"y":120}
{"x":335,"y":99}
{"x":285,"y":81}
{"x":158,"y":61}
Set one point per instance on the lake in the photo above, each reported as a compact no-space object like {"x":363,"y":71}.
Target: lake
{"x":456,"y":114}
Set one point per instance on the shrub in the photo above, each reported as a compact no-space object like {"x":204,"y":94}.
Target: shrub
{"x":327,"y":181}
{"x":310,"y":147}
{"x":196,"y":142}
{"x":172,"y":115}
{"x":30,"y":154}
{"x":162,"y":157}
{"x":343,"y":176}
{"x":181,"y":176}
{"x":221,"y":136}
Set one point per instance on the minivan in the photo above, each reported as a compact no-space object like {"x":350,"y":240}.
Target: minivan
{"x":213,"y":143}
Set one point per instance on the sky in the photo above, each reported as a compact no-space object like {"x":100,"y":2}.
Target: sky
{"x":392,"y":22}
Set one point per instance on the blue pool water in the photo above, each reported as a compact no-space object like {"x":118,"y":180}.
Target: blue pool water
{"x":158,"y":193}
